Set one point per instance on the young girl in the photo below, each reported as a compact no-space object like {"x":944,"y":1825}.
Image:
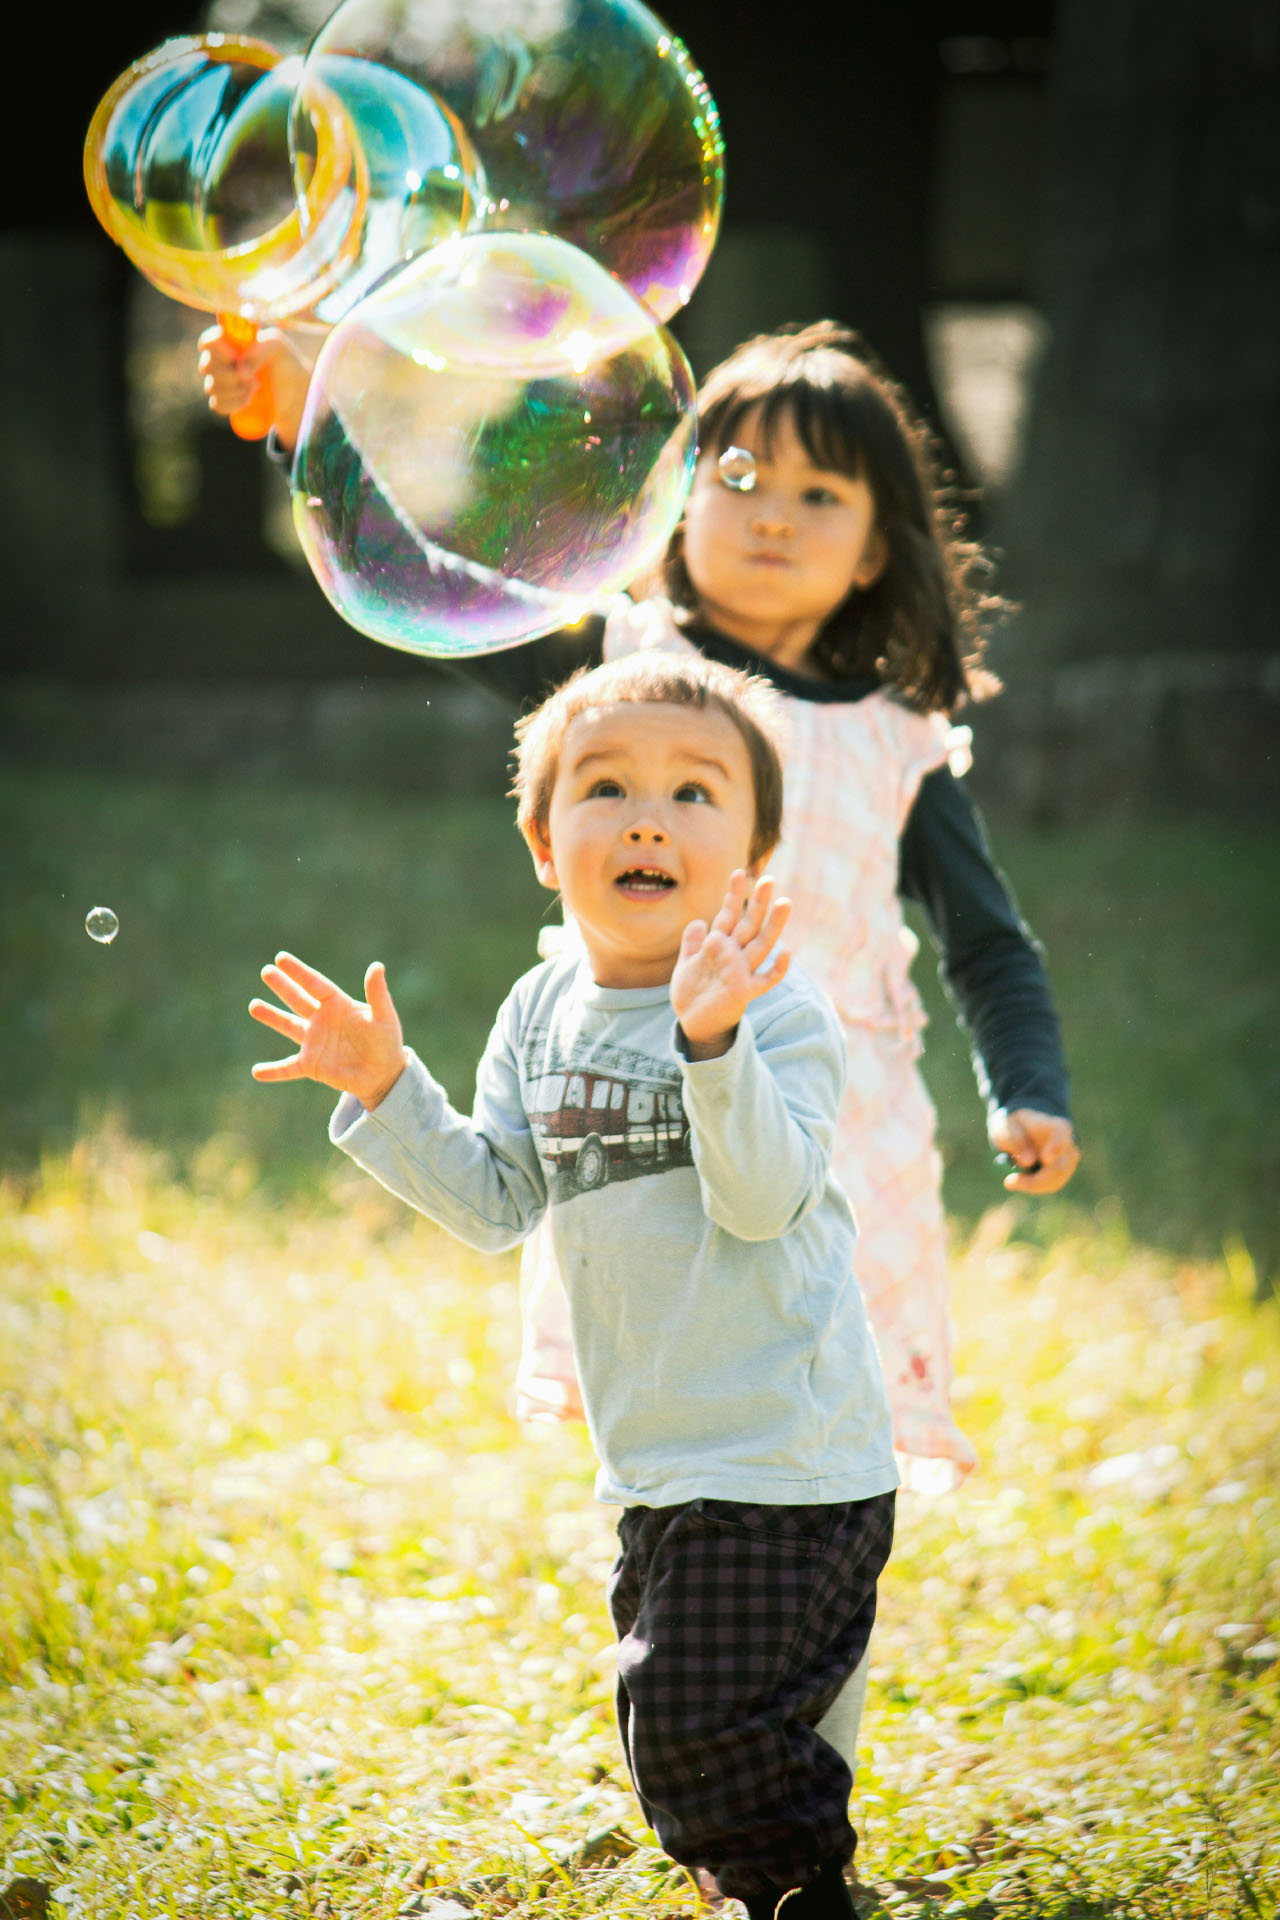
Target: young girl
{"x":837,"y":573}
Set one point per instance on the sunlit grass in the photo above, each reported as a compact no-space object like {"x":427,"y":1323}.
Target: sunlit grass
{"x":293,"y":1621}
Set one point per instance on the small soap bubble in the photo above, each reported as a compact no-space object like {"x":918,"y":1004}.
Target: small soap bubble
{"x":738,"y":469}
{"x":101,"y":925}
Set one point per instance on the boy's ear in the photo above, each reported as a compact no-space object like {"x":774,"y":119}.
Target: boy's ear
{"x":874,"y":560}
{"x":535,"y":838}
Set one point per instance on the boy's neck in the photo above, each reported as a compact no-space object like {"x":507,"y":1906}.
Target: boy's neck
{"x":616,"y":972}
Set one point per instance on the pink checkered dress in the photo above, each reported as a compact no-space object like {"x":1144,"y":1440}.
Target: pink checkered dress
{"x":852,"y":772}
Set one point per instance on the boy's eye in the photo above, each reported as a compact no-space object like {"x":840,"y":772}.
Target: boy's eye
{"x":605,"y":790}
{"x":692,"y":790}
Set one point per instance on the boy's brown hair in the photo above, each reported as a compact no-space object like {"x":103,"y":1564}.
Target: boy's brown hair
{"x":663,"y":679}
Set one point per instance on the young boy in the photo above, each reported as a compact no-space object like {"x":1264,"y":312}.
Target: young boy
{"x":671,"y":1098}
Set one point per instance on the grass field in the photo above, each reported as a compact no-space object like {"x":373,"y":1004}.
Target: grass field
{"x":293,"y":1622}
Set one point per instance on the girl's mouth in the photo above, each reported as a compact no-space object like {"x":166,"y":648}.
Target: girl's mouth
{"x":648,"y":880}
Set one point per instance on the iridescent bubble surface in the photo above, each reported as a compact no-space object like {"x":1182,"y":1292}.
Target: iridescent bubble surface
{"x":588,"y":119}
{"x":498,"y":437}
{"x":424,"y":181}
{"x":737,"y":468}
{"x":101,"y":924}
{"x":190,"y":166}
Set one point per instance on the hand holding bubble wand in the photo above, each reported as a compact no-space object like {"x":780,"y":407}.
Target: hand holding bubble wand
{"x":190,"y":165}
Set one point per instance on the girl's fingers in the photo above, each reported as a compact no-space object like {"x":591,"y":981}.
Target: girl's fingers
{"x":286,"y":1023}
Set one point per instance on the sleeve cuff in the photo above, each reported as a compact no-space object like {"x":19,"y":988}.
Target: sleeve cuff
{"x":349,"y":1114}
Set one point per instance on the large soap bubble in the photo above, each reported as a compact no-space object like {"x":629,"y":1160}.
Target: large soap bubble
{"x":495,"y":438}
{"x":190,"y":166}
{"x":423,"y":181}
{"x":588,"y":119}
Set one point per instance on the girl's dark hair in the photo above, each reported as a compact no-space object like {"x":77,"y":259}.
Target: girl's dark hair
{"x":918,"y":627}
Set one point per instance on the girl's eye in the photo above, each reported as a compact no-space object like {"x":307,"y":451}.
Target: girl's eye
{"x":820,"y":497}
{"x":692,"y":790}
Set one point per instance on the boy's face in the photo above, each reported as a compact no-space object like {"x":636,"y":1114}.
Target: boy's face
{"x":653,"y":808}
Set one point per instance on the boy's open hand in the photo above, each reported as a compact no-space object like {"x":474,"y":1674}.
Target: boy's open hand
{"x":715,"y":979}
{"x":351,"y":1045}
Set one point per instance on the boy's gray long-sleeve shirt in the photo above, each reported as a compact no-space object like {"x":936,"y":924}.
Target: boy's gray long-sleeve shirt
{"x":707,"y":1254}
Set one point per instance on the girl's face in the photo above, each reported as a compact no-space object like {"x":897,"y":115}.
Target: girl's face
{"x":770,"y":566}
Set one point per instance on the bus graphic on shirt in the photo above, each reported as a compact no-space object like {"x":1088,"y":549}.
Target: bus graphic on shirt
{"x":593,"y":1127}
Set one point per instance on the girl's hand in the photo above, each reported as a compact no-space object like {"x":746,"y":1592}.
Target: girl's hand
{"x":715,"y":978}
{"x":230,"y":376}
{"x":1041,"y":1145}
{"x":353,"y":1046}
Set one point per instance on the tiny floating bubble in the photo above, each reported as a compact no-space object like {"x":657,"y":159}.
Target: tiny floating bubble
{"x":101,"y":925}
{"x":738,"y":469}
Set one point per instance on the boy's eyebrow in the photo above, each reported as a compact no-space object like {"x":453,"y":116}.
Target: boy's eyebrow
{"x":582,"y":760}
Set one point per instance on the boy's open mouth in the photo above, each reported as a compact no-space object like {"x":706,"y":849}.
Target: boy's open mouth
{"x":645,"y":880}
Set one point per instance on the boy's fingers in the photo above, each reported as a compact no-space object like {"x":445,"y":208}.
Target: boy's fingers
{"x":318,"y":985}
{"x":775,"y":920}
{"x":286,"y":1023}
{"x":692,"y":939}
{"x":779,"y":967}
{"x":762,"y":982}
{"x":755,"y":910}
{"x":730,"y":909}
{"x":288,"y":990}
{"x":290,"y":1069}
{"x":378,"y":994}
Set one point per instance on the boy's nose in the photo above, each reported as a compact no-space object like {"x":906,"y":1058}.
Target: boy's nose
{"x":647,"y":830}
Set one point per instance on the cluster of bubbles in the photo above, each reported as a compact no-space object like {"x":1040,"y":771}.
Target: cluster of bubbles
{"x":490,"y":209}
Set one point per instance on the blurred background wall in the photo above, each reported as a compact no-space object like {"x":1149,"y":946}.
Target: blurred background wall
{"x":1058,"y":224}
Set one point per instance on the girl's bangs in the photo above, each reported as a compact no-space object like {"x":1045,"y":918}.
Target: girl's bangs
{"x":825,"y":418}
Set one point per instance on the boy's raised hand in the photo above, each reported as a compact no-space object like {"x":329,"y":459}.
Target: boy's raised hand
{"x":715,"y":978}
{"x":351,"y":1045}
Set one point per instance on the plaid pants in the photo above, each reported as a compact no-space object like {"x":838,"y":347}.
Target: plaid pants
{"x":737,"y":1626}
